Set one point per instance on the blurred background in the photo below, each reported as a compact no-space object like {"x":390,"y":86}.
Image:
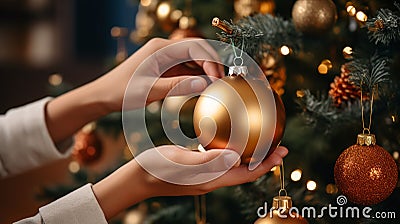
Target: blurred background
{"x":48,"y":47}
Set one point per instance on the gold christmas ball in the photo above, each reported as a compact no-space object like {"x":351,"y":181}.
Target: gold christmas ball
{"x":281,"y":213}
{"x":275,"y":219}
{"x":238,"y":113}
{"x":366,"y":175}
{"x":314,"y":16}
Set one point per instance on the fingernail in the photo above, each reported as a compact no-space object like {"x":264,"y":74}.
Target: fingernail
{"x":197,"y":85}
{"x":231,"y":158}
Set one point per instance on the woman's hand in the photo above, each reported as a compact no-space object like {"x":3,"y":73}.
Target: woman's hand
{"x":132,"y":183}
{"x":156,"y":70}
{"x":161,"y":67}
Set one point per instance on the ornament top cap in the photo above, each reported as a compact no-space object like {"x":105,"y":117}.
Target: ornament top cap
{"x":238,"y":70}
{"x":366,"y":139}
{"x":282,"y":202}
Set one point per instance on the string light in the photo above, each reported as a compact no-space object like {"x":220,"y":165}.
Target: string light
{"x":285,"y":50}
{"x":55,"y":79}
{"x":154,"y":107}
{"x":145,"y":3}
{"x":296,"y":175}
{"x":73,"y":167}
{"x":393,"y":118}
{"x":347,"y":52}
{"x":361,"y":16}
{"x":176,"y":15}
{"x":396,"y":155}
{"x":300,"y":93}
{"x":311,"y":185}
{"x":351,"y":10}
{"x":163,"y":10}
{"x":324,"y":67}
{"x":331,"y":189}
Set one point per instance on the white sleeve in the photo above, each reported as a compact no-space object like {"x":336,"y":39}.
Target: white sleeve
{"x":25,"y":142}
{"x":80,"y":206}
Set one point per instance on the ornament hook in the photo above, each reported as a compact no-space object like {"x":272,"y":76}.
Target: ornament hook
{"x":370,"y":109}
{"x":238,"y":59}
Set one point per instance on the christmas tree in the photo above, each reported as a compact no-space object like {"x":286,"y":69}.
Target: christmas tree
{"x":332,"y":62}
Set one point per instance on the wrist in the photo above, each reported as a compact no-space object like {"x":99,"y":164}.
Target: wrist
{"x":123,"y":188}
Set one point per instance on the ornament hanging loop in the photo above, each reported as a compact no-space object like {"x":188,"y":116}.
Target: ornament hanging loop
{"x":238,"y":59}
{"x":368,"y":129}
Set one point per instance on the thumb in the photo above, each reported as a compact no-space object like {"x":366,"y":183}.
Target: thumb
{"x":220,"y":159}
{"x":176,"y":86}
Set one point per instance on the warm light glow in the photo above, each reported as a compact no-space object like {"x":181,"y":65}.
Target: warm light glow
{"x":145,"y":3}
{"x":348,"y":50}
{"x":55,"y":79}
{"x":184,"y":22}
{"x":74,"y":167}
{"x":300,"y":93}
{"x":163,"y":10}
{"x":175,"y":124}
{"x":324,"y":67}
{"x":296,"y":175}
{"x":331,"y":189}
{"x":154,"y":107}
{"x":273,"y":169}
{"x":393,"y":118}
{"x":285,"y":50}
{"x":135,"y":137}
{"x":176,"y":15}
{"x":351,"y":10}
{"x":311,"y":185}
{"x":396,"y":155}
{"x":361,"y":16}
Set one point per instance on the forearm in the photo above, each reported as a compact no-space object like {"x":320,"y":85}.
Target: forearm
{"x":69,"y":112}
{"x":122,"y":189}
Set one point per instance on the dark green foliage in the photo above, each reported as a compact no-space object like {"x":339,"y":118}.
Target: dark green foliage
{"x":262,"y":33}
{"x":384,"y":28}
{"x":368,"y":73}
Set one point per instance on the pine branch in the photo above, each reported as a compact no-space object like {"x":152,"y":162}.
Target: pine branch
{"x":320,"y":111}
{"x":260,"y":33}
{"x":385,"y":27}
{"x":369,"y":71}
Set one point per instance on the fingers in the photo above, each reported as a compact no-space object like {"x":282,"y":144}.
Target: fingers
{"x":175,"y":165}
{"x":242,"y":174}
{"x":176,"y":86}
{"x":197,"y":50}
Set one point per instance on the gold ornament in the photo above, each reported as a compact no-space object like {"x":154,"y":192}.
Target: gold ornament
{"x":235,"y":113}
{"x":314,"y":16}
{"x":366,"y":173}
{"x":280,"y":213}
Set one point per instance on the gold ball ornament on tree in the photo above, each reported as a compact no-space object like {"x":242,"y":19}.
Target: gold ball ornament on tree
{"x":314,"y":16}
{"x":281,"y":213}
{"x":365,"y":172}
{"x":240,"y":113}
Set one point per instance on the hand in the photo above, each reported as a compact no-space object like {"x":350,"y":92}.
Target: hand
{"x":132,"y":183}
{"x":159,"y":68}
{"x":69,"y":112}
